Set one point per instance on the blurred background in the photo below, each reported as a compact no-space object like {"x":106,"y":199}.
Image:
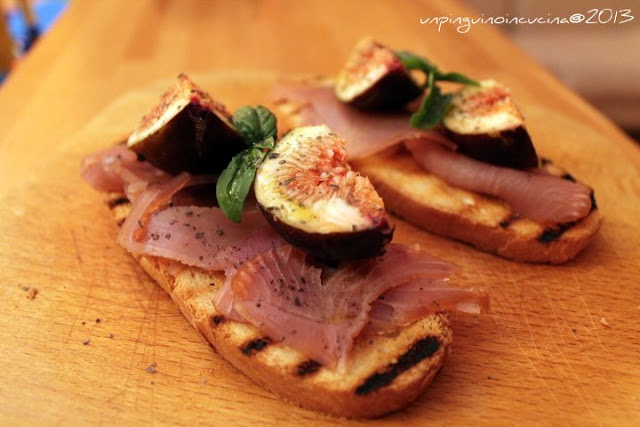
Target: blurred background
{"x":23,"y":22}
{"x":601,"y":62}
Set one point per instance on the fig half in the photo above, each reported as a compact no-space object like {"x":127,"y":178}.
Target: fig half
{"x":187,"y":131}
{"x":374,"y":78}
{"x":486,"y":124}
{"x":310,"y":195}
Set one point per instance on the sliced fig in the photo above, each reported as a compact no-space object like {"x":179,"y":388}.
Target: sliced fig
{"x":187,"y":131}
{"x":374,"y":78}
{"x":486,"y":124}
{"x":310,"y":195}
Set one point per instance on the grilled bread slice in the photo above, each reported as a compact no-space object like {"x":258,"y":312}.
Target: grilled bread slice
{"x":383,"y":373}
{"x":419,"y":197}
{"x":489,"y":224}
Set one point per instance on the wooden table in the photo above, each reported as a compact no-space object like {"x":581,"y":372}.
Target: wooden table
{"x":561,"y":345}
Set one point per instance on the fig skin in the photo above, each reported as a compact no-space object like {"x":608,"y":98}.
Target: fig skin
{"x":374,"y":78}
{"x":509,"y":148}
{"x":309,"y":194}
{"x":488,"y":126}
{"x":198,"y":137}
{"x":333,"y":247}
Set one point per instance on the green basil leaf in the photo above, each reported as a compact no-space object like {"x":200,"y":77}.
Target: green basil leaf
{"x":223,"y":189}
{"x":433,"y":107}
{"x":255,"y":124}
{"x":258,"y":127}
{"x":415,"y":62}
{"x":235,"y":181}
{"x":267,"y":144}
{"x":457,"y":78}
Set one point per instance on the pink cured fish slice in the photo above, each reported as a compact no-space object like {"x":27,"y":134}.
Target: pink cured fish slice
{"x":542,"y":198}
{"x":319,"y":311}
{"x":365,"y":133}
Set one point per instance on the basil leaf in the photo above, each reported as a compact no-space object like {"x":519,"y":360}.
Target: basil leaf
{"x":267,"y":145}
{"x":435,"y":104}
{"x":226,"y":200}
{"x":415,"y":62}
{"x":235,"y":181}
{"x":255,"y":124}
{"x":457,"y":78}
{"x":258,"y":128}
{"x":433,"y":107}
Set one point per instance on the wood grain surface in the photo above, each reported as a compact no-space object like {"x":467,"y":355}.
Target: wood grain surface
{"x":99,"y":343}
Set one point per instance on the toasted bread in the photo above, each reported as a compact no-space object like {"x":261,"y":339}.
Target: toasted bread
{"x":383,"y":373}
{"x":419,"y":197}
{"x":484,"y":222}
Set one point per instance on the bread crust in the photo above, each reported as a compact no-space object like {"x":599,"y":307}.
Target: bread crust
{"x":383,"y":373}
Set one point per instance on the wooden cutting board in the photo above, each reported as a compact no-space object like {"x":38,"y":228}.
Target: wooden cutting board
{"x":100,"y":343}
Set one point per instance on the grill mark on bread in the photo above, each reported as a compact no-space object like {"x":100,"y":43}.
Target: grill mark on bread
{"x":549,"y":234}
{"x":505,"y":223}
{"x":308,"y":367}
{"x":420,"y":350}
{"x":218,"y":320}
{"x":255,"y":346}
{"x":118,"y":201}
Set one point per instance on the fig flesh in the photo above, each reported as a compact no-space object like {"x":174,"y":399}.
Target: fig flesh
{"x":310,"y":195}
{"x":187,"y":131}
{"x":374,"y":78}
{"x":486,"y":124}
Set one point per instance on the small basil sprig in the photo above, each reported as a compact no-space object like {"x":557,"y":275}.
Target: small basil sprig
{"x":258,"y":128}
{"x":255,"y":124}
{"x":435,"y":104}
